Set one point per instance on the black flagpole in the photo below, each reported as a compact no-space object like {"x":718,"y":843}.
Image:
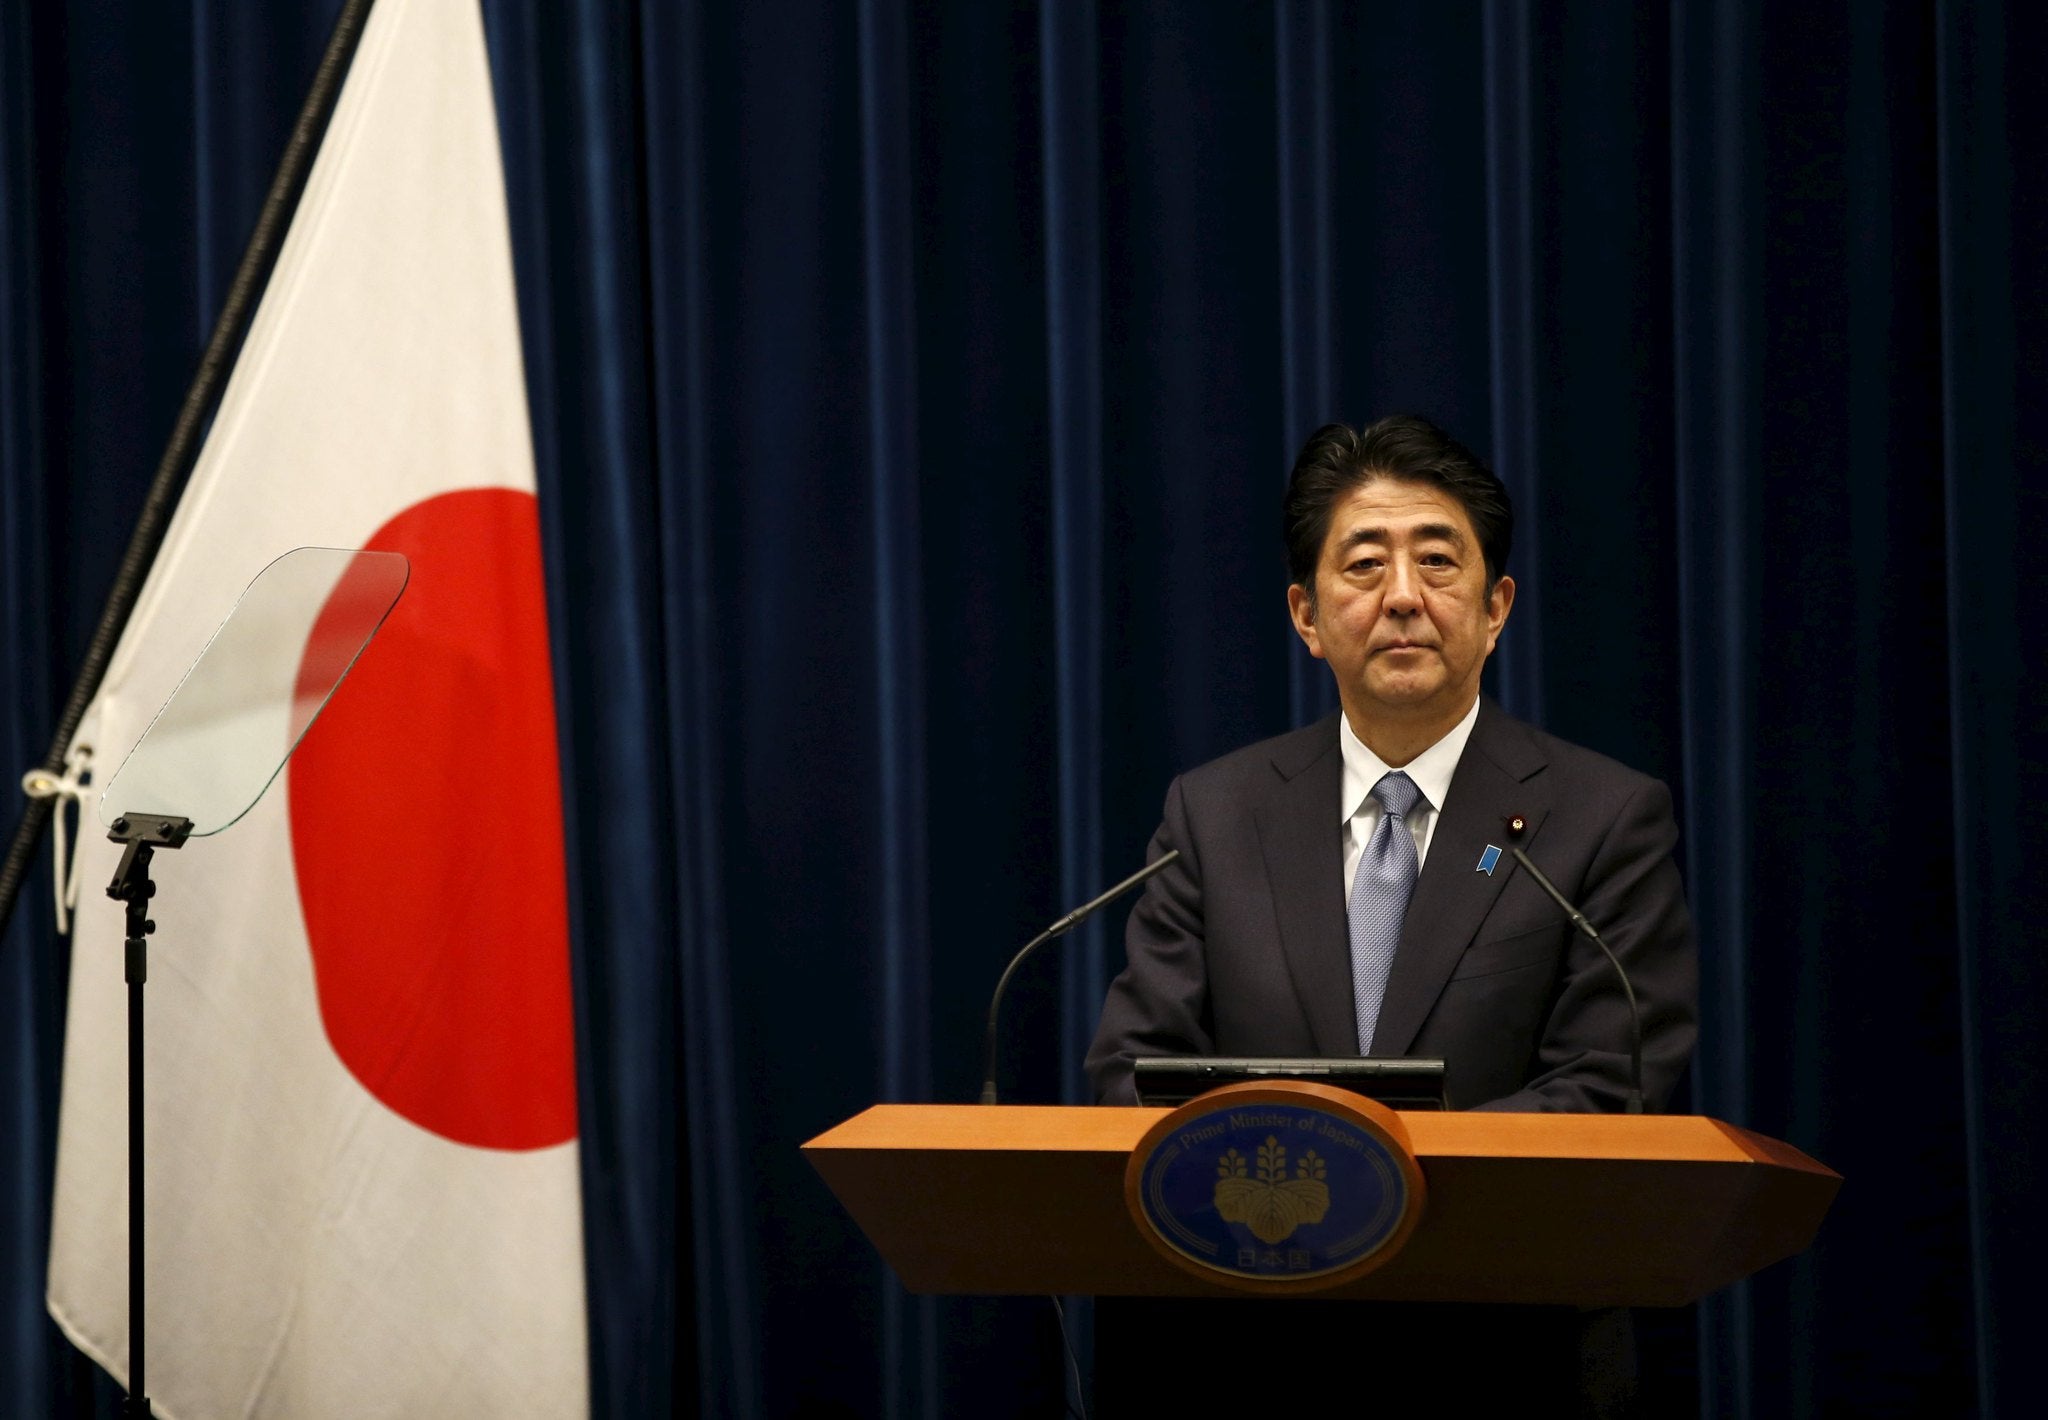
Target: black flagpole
{"x":174,"y":469}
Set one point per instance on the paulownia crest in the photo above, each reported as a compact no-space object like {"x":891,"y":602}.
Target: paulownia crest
{"x":1272,"y":1205}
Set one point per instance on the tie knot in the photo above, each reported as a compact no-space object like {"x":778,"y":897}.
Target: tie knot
{"x":1396,"y":793}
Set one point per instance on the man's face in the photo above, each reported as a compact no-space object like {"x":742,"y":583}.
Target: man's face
{"x":1401,"y":611}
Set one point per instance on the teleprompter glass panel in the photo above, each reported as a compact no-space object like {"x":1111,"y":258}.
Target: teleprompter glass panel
{"x":256,"y":689}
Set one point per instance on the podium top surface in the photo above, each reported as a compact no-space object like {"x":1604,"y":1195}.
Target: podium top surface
{"x":1433,"y":1134}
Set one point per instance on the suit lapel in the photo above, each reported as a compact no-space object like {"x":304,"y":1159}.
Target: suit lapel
{"x":1452,"y":897}
{"x":1301,"y":839}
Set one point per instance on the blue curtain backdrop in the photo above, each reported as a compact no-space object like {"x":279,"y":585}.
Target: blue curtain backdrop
{"x":913,"y":385}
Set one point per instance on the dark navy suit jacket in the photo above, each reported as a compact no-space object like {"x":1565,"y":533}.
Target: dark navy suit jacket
{"x":1241,"y":948}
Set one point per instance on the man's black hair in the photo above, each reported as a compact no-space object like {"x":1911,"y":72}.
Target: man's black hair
{"x":1337,"y":459}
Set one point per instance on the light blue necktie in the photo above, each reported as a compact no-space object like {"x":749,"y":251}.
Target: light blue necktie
{"x":1379,"y":900}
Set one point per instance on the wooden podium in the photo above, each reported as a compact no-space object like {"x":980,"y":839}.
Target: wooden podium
{"x":1580,"y":1210}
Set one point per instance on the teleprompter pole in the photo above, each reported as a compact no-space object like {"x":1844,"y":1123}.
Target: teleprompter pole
{"x":143,"y":834}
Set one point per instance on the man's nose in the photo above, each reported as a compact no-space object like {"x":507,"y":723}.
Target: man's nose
{"x":1404,"y":587}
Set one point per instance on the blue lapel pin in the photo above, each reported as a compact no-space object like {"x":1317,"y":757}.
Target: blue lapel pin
{"x":1487,"y":860}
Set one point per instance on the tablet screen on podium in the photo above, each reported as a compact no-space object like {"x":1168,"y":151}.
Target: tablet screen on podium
{"x":1395,"y":1083}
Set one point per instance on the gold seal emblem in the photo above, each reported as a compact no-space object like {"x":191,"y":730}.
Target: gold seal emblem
{"x":1272,"y":1205}
{"x":1213,"y":1187}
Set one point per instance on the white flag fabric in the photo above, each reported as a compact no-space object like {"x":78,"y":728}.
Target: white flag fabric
{"x":362,"y":1162}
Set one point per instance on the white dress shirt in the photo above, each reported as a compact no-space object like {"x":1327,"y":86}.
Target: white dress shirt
{"x":1431,"y":770}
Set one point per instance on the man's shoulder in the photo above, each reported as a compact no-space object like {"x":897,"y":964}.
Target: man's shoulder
{"x":1273,"y":760}
{"x":1523,"y":751}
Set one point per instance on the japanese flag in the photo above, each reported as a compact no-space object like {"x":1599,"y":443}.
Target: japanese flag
{"x":362,"y":1163}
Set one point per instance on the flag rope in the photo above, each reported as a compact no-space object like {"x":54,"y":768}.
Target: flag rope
{"x":62,"y":789}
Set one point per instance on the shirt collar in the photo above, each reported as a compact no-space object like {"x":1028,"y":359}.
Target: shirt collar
{"x":1431,"y":770}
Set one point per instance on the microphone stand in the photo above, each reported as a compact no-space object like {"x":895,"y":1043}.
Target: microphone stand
{"x":144,"y":834}
{"x":1066,"y":924}
{"x":1517,"y":826}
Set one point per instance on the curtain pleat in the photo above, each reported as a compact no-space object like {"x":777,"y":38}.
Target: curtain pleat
{"x":1995,"y":432}
{"x":711,"y":1208}
{"x":1304,"y":157}
{"x":34,"y":1367}
{"x":1512,"y":195}
{"x":1716,"y":456}
{"x":1073,"y":345}
{"x":902,"y":944}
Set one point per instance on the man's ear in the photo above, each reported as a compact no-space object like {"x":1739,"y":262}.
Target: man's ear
{"x":1499,"y":602}
{"x":1301,"y":609}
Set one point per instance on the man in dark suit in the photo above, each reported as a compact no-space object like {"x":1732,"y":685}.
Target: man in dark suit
{"x":1335,"y":896}
{"x":1398,"y":540}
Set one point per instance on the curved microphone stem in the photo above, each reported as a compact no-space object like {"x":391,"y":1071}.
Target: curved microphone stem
{"x":1058,"y":929}
{"x":1635,"y":1016}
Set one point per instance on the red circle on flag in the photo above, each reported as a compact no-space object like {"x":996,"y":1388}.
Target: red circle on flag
{"x":426,"y":828}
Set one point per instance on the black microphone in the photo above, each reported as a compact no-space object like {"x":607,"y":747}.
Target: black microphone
{"x":1066,"y":924}
{"x":1518,"y":826}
